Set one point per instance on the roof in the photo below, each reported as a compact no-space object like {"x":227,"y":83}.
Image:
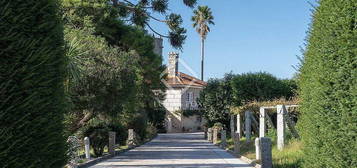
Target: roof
{"x":184,"y":80}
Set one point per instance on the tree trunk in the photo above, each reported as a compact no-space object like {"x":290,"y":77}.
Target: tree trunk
{"x":202,"y":56}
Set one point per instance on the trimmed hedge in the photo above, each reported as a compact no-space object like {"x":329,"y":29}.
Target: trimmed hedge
{"x":260,"y":86}
{"x":31,"y":85}
{"x":328,"y":87}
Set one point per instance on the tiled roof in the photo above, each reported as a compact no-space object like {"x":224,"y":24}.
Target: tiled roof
{"x":182,"y":79}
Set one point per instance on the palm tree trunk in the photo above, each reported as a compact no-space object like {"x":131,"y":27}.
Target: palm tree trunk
{"x":202,"y":56}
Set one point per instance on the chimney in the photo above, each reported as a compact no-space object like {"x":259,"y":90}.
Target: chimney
{"x":158,"y":46}
{"x":173,"y":64}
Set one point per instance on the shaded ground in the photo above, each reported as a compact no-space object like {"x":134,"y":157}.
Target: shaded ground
{"x":175,"y":150}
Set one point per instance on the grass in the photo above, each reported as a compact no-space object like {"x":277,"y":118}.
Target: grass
{"x":290,"y":157}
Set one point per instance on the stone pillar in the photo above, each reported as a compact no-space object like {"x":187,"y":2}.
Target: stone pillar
{"x":73,"y":144}
{"x":248,"y":126}
{"x":215,"y":135}
{"x":257,"y":149}
{"x":169,"y":124}
{"x":236,"y":143}
{"x":111,"y":146}
{"x":209,"y":135}
{"x":223,"y":139}
{"x":281,"y":110}
{"x":239,"y":129}
{"x":262,"y":125}
{"x":265,"y":152}
{"x":131,"y":138}
{"x":87,"y":147}
{"x":205,"y":132}
{"x":232,"y":126}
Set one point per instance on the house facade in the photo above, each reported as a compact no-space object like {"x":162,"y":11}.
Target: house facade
{"x":181,"y":95}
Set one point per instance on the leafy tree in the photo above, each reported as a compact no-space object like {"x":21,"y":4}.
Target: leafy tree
{"x":101,"y":37}
{"x":201,"y":19}
{"x":235,"y":90}
{"x":32,"y":71}
{"x":260,"y":86}
{"x":107,"y":80}
{"x":328,"y":86}
{"x":215,"y":100}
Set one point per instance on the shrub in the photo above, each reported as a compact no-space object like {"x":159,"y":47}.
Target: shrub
{"x":99,"y":137}
{"x":260,"y":86}
{"x":215,"y":100}
{"x":151,"y":131}
{"x":31,"y":85}
{"x":139,"y":124}
{"x":121,"y":133}
{"x":328,"y":87}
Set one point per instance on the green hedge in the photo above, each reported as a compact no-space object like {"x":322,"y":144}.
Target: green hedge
{"x":31,"y":85}
{"x":328,"y":87}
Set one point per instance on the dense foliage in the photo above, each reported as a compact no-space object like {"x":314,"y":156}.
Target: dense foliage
{"x":236,"y":90}
{"x":215,"y":100}
{"x":32,"y":72}
{"x":112,"y":72}
{"x":260,"y":86}
{"x":328,"y":86}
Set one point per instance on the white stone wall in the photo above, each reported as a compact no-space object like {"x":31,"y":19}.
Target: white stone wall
{"x":172,"y":100}
{"x":192,"y":123}
{"x":176,"y":99}
{"x":189,"y":98}
{"x":172,"y":103}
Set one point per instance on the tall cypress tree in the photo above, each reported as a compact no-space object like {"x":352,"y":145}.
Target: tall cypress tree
{"x":328,"y":86}
{"x":31,"y":85}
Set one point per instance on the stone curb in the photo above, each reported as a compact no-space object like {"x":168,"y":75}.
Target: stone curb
{"x":243,"y":158}
{"x":108,"y":156}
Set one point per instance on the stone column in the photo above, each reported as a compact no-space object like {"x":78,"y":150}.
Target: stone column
{"x":205,"y":132}
{"x":262,"y":125}
{"x":232,"y":126}
{"x":248,"y":126}
{"x":87,"y":147}
{"x":257,"y":149}
{"x":209,"y":135}
{"x":73,"y":144}
{"x":239,"y":129}
{"x":281,"y":110}
{"x":169,"y":124}
{"x":236,"y":143}
{"x":215,"y":135}
{"x":223,"y":139}
{"x":111,"y":146}
{"x":265,"y":152}
{"x":131,"y":138}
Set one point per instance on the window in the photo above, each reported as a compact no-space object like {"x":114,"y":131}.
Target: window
{"x":188,"y":96}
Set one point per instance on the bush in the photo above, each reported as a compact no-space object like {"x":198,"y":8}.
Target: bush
{"x":328,"y":87}
{"x":260,"y":86}
{"x":32,"y":100}
{"x":99,"y":137}
{"x":151,"y":131}
{"x":215,"y":100}
{"x":121,"y":133}
{"x":139,"y":124}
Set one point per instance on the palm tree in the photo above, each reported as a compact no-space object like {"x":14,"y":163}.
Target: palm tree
{"x":201,"y":19}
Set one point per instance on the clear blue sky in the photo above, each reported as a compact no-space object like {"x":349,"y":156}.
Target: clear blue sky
{"x":249,"y":36}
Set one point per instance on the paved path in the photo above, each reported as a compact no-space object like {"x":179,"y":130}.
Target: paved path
{"x":175,"y":151}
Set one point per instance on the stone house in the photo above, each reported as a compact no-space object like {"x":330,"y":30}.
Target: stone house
{"x":181,"y":94}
